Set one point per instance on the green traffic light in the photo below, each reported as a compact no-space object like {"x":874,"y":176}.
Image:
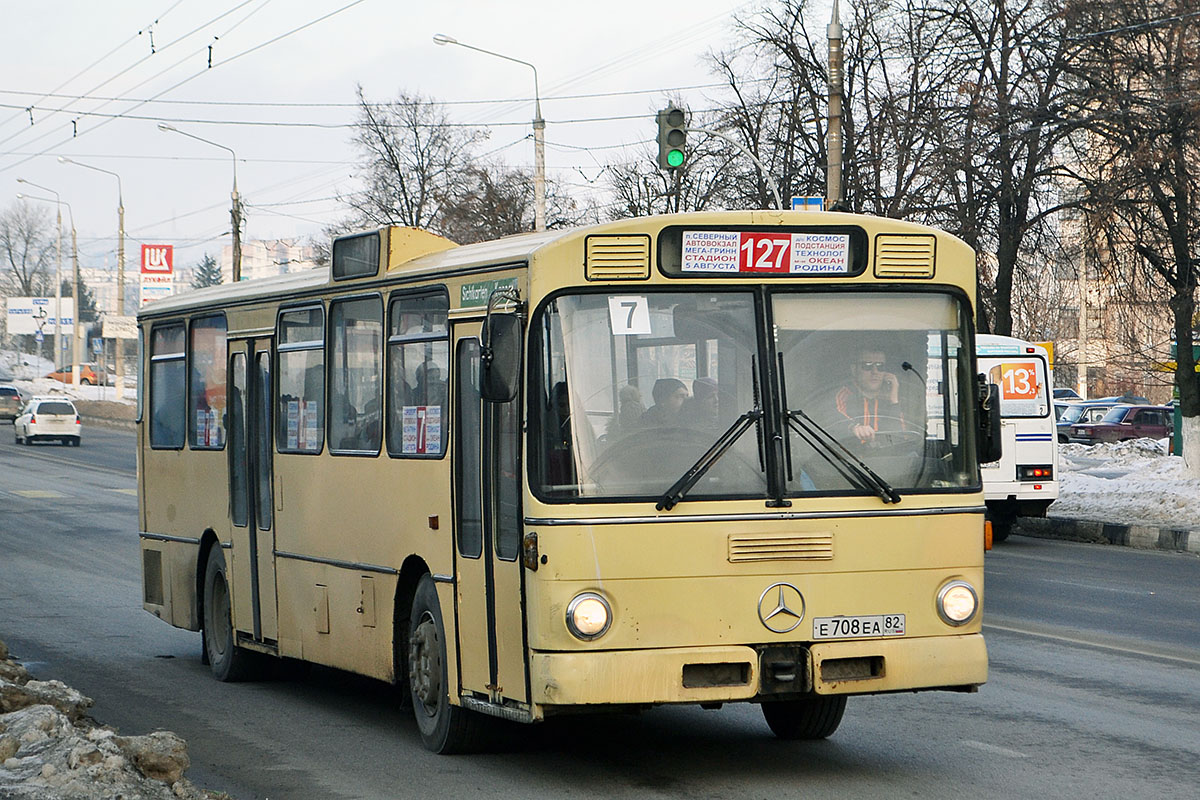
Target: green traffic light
{"x":675,"y":158}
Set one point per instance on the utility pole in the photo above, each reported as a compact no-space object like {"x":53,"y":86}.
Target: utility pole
{"x":539,"y":130}
{"x":833,"y":175}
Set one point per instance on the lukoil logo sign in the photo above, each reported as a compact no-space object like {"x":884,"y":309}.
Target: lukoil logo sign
{"x":158,"y":259}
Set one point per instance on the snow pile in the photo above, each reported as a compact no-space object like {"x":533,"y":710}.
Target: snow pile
{"x":1129,"y":483}
{"x":50,"y":749}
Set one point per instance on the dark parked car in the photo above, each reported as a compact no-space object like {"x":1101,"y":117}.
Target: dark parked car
{"x":1066,"y":393}
{"x":1126,"y":422}
{"x":1080,"y":414}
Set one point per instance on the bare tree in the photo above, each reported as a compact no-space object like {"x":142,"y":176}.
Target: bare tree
{"x":414,"y":160}
{"x":1011,"y":59}
{"x":25,"y":246}
{"x":1140,"y":71}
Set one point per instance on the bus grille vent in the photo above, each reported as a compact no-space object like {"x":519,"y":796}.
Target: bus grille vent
{"x":902,"y":256}
{"x":617,"y":258}
{"x":781,"y":547}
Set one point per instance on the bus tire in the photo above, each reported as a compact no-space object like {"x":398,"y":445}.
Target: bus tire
{"x":1001,"y":528}
{"x":227,"y":661}
{"x":445,"y":728}
{"x":811,"y":718}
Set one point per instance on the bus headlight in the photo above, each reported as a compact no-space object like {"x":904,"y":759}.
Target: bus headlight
{"x":588,"y":616}
{"x":957,"y":603}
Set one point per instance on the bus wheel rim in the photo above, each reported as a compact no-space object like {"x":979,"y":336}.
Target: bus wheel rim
{"x":425,"y":665}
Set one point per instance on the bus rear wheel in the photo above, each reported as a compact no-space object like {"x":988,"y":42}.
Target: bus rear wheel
{"x":811,"y":718}
{"x":227,"y":661}
{"x":444,"y":728}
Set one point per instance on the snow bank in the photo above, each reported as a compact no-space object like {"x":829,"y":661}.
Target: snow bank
{"x":1131,"y":483}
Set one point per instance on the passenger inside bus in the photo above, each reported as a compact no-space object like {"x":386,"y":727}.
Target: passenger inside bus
{"x":700,"y":410}
{"x":560,"y":461}
{"x":669,"y":396}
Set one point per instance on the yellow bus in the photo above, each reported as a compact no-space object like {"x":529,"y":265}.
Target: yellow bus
{"x":696,"y":458}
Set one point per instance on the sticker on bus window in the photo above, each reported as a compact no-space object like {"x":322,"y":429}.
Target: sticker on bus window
{"x":1019,"y":380}
{"x":766,"y":253}
{"x":293,"y":424}
{"x":421,"y":430}
{"x":629,"y":315}
{"x":310,"y":425}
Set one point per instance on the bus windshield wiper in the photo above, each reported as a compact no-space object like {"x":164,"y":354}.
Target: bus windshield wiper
{"x":850,"y":466}
{"x":696,"y":471}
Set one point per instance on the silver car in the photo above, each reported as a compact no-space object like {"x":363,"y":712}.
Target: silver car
{"x":48,"y":418}
{"x":11,"y":402}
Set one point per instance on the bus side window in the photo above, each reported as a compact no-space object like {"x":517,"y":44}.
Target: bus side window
{"x":300,"y":417}
{"x":418,"y":355}
{"x":356,"y":362}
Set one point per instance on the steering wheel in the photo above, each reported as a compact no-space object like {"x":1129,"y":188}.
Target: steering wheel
{"x":657,"y":453}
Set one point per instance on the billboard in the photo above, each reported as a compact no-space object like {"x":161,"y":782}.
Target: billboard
{"x":158,"y":272}
{"x":28,"y":315}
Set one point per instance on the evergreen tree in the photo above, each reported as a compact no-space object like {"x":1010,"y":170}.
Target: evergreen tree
{"x":207,"y":273}
{"x":86,"y":304}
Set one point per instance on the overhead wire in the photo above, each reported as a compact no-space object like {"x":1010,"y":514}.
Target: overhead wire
{"x":192,"y":77}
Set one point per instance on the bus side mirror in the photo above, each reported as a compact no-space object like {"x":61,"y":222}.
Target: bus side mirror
{"x":500,"y":358}
{"x":988,"y":442}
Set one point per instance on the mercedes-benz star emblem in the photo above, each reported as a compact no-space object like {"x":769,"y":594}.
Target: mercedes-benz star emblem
{"x":781,"y":608}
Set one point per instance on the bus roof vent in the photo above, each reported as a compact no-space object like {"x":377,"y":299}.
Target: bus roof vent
{"x":816,"y":546}
{"x":904,"y":256}
{"x":617,"y":258}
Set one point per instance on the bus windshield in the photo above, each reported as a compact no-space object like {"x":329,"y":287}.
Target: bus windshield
{"x":634,"y":390}
{"x":886,"y":377}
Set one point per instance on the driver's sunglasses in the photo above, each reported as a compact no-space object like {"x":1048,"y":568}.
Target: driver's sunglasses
{"x":871,"y":366}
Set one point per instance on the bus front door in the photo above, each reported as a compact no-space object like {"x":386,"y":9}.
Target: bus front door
{"x":251,"y":494}
{"x":488,"y":572}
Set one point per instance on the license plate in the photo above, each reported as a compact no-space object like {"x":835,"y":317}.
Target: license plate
{"x":858,"y":627}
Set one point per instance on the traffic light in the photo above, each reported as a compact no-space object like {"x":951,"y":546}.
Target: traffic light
{"x":672,"y":137}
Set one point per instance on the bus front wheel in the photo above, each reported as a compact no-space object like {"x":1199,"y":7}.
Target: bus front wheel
{"x":811,"y":718}
{"x":444,"y":728}
{"x":227,"y":661}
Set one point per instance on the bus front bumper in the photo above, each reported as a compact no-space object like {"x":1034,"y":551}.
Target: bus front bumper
{"x":720,"y":674}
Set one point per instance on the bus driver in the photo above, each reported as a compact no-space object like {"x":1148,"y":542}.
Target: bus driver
{"x":870,"y":403}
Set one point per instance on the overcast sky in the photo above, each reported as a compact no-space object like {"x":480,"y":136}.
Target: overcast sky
{"x":176,"y":190}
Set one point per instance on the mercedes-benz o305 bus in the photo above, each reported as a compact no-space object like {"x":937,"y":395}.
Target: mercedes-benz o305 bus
{"x":1023,"y":482}
{"x":699,"y":458}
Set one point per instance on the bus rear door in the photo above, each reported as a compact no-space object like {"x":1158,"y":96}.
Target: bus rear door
{"x":251,"y":488}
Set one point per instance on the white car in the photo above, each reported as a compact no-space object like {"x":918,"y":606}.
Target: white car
{"x":48,"y":418}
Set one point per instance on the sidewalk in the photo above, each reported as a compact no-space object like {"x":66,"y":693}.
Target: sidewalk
{"x":1145,"y":537}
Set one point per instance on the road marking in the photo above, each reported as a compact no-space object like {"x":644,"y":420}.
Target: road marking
{"x":38,"y":494}
{"x":1086,"y":643}
{"x":125,"y":491}
{"x":995,"y":749}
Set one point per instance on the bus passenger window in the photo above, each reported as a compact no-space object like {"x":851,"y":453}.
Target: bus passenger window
{"x":167,"y":381}
{"x":418,"y":363}
{"x":300,"y":416}
{"x":206,"y":391}
{"x":355,"y":375}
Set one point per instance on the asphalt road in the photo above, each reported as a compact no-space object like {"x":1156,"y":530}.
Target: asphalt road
{"x":1094,"y":688}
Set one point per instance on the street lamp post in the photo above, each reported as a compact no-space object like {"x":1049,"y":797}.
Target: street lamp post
{"x":539,"y":131}
{"x":120,"y":376}
{"x":236,"y":210}
{"x":57,"y":275}
{"x":75,"y":356}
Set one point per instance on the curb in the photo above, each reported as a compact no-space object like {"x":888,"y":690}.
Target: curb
{"x":109,"y":422}
{"x":1143,"y":537}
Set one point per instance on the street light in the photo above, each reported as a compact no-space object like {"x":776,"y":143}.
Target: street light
{"x":236,"y":211}
{"x":75,"y":356}
{"x":539,"y":131}
{"x":120,"y":376}
{"x":57,"y":274}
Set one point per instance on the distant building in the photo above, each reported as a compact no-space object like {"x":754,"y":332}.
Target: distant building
{"x":263,"y":258}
